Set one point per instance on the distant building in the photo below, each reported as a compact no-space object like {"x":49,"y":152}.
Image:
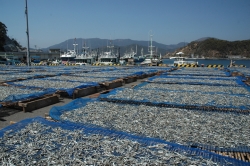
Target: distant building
{"x":234,"y":56}
{"x":54,"y":50}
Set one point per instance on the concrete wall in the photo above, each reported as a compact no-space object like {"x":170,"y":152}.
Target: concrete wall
{"x":42,"y":55}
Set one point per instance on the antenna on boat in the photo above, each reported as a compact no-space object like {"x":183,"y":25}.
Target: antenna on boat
{"x":27,"y":32}
{"x":151,"y":46}
{"x":75,"y":45}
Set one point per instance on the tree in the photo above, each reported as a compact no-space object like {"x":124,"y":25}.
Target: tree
{"x":3,"y":32}
{"x":17,"y":43}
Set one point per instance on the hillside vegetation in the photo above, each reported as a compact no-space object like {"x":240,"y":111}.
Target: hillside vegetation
{"x":6,"y":43}
{"x":216,"y":48}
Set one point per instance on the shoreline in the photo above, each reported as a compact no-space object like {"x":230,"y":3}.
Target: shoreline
{"x":216,"y":58}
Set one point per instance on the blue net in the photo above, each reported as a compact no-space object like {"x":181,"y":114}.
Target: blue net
{"x":31,"y":129}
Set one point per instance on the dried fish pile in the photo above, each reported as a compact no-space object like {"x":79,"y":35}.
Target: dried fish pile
{"x":148,"y":70}
{"x":26,"y":75}
{"x":117,"y":74}
{"x":196,"y":88}
{"x":39,"y":144}
{"x":81,"y":79}
{"x":45,"y":83}
{"x":200,"y":77}
{"x":6,"y":91}
{"x":184,"y":98}
{"x":10,"y":77}
{"x":171,"y":124}
{"x":200,"y":81}
{"x":3,"y":72}
{"x":199,"y":71}
{"x":44,"y":73}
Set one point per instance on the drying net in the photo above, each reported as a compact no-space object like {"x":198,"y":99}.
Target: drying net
{"x":14,"y":94}
{"x":67,"y":86}
{"x":40,"y":142}
{"x":210,"y":101}
{"x":220,"y":81}
{"x":200,"y":72}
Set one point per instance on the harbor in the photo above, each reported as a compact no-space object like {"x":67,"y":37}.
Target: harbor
{"x":96,"y":92}
{"x":164,"y":115}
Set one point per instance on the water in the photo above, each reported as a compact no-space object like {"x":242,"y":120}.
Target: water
{"x":224,"y":62}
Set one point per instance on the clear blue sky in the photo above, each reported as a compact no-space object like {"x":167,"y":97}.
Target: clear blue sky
{"x":171,"y":21}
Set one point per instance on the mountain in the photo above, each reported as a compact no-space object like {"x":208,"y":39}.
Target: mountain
{"x":123,"y":44}
{"x":215,"y":48}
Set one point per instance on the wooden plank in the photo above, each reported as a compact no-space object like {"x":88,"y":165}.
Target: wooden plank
{"x":238,"y":156}
{"x":225,"y":154}
{"x":142,"y":76}
{"x":62,"y":93}
{"x":39,"y":103}
{"x":231,"y":155}
{"x":114,"y":84}
{"x":130,"y":79}
{"x":248,"y":156}
{"x":85,"y":91}
{"x":243,"y":156}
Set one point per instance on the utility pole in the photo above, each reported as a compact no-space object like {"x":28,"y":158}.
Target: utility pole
{"x":27,"y":32}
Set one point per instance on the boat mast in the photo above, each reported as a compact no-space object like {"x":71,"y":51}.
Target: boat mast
{"x":75,"y":45}
{"x":111,"y":46}
{"x":85,"y":48}
{"x":151,"y":47}
{"x":27,"y":32}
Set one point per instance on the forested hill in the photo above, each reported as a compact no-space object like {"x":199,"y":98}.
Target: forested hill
{"x":216,"y":48}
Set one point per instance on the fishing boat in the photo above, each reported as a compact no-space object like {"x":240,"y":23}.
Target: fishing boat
{"x":128,"y":55}
{"x":152,"y":58}
{"x":69,"y":56}
{"x":233,"y":64}
{"x":108,"y":57}
{"x":141,"y":58}
{"x":179,"y":60}
{"x":86,"y":57}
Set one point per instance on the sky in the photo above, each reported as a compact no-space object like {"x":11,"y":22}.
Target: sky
{"x":169,"y":21}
